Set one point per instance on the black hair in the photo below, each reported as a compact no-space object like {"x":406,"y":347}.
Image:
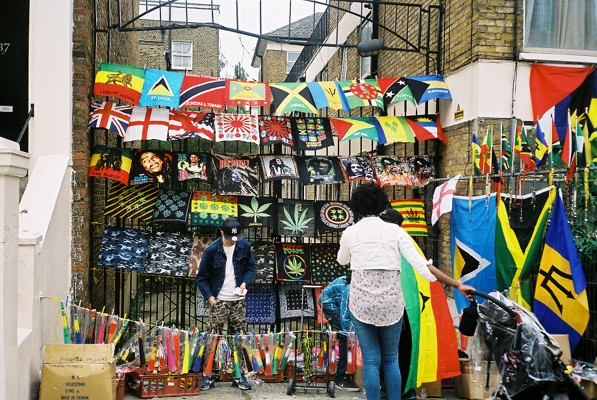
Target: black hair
{"x":368,"y":199}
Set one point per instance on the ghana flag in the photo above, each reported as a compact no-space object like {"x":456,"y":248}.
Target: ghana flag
{"x":124,"y":82}
{"x":434,"y":353}
{"x":519,"y":233}
{"x":413,"y":211}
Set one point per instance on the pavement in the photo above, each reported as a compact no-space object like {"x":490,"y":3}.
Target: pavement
{"x":277,"y":391}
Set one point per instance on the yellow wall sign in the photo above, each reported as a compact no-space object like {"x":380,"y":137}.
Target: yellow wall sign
{"x":459,"y":113}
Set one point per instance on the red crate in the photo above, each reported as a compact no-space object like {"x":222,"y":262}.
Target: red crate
{"x":120,"y":388}
{"x":148,"y":386}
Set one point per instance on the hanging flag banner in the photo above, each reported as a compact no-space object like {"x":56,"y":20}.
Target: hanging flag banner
{"x":442,"y":198}
{"x":312,"y":133}
{"x":355,"y":128}
{"x":333,"y":216}
{"x":437,"y":89}
{"x":208,"y":209}
{"x":257,"y":211}
{"x":111,"y":163}
{"x":193,"y":166}
{"x":148,"y":123}
{"x":231,"y":127}
{"x":360,"y":93}
{"x":318,"y":170}
{"x":401,"y":89}
{"x":107,"y":115}
{"x":278,"y":167}
{"x":243,"y":93}
{"x":274,"y":130}
{"x":413,"y":212}
{"x":357,"y":168}
{"x":325,"y":94}
{"x":393,"y":129}
{"x":131,"y":202}
{"x":202,"y":91}
{"x":188,"y":124}
{"x":392,"y":171}
{"x":121,"y":81}
{"x":292,"y":96}
{"x":236,"y":175}
{"x":293,"y":262}
{"x":161,"y":88}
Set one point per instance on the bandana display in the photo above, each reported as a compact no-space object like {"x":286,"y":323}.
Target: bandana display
{"x":319,"y":170}
{"x":111,"y":162}
{"x":357,"y":168}
{"x":261,"y":304}
{"x":199,"y":246}
{"x":257,"y":211}
{"x":152,"y":166}
{"x":273,"y":130}
{"x":172,"y":206}
{"x":232,"y":127}
{"x":131,"y":202}
{"x":312,"y":133}
{"x":124,"y":249}
{"x":296,"y":218}
{"x":392,"y":171}
{"x":277,"y":168}
{"x":169,"y":254}
{"x":324,"y":266}
{"x":293,"y":262}
{"x":296,"y":302}
{"x":201,"y":305}
{"x":333,"y":216}
{"x":208,"y":209}
{"x":236,"y":175}
{"x":193,"y":166}
{"x":422,"y":169}
{"x":265,"y":261}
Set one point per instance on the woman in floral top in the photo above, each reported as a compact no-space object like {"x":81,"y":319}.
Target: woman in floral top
{"x":374,"y":249}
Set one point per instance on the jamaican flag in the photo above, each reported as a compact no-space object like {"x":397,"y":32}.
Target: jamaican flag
{"x":519,"y":234}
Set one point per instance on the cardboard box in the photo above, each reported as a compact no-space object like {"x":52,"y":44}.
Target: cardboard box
{"x":564,"y":343}
{"x":78,"y":371}
{"x":590,"y":387}
{"x":471,"y":383}
{"x":431,"y":389}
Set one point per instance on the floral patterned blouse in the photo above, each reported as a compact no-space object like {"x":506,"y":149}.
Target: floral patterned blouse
{"x":367,"y":288}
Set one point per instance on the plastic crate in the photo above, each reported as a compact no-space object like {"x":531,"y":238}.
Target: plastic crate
{"x":148,"y":386}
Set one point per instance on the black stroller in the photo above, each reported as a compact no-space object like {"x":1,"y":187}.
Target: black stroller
{"x":527,"y":357}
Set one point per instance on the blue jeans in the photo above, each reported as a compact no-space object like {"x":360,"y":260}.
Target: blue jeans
{"x":379,"y":345}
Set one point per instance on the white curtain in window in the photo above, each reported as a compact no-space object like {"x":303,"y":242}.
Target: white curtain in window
{"x":561,"y":24}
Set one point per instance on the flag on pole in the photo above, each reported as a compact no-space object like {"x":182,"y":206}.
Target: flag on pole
{"x":485,"y":156}
{"x":476,"y":154}
{"x":540,"y":155}
{"x":525,"y":153}
{"x":442,"y":198}
{"x":561,"y":303}
{"x":569,"y":146}
{"x":506,"y":155}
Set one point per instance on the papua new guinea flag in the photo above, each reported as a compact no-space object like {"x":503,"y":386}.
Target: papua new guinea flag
{"x":434,"y":352}
{"x":472,"y":244}
{"x":115,"y":80}
{"x":561,"y":303}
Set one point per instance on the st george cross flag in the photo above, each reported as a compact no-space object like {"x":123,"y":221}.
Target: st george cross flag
{"x":360,"y":93}
{"x":561,"y":303}
{"x":243,"y":93}
{"x":108,"y":115}
{"x":355,"y":128}
{"x":161,"y":88}
{"x":442,"y":198}
{"x":242,"y":127}
{"x":188,"y":124}
{"x":124,"y":82}
{"x":202,"y":91}
{"x":438,"y":89}
{"x":292,"y":96}
{"x":472,"y":244}
{"x":148,"y":124}
{"x":325,"y":94}
{"x":434,"y":351}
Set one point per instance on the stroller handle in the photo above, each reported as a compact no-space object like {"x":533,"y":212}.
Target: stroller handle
{"x":497,"y":302}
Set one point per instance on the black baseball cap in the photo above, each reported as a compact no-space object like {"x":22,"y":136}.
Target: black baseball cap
{"x":232,"y":229}
{"x":392,"y":216}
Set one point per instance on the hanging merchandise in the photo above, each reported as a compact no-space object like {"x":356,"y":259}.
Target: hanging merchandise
{"x":193,"y":166}
{"x":333,"y":216}
{"x":401,"y":89}
{"x":392,"y":171}
{"x":355,"y":128}
{"x":152,"y":166}
{"x":293,"y":262}
{"x":393,"y":129}
{"x":325,"y":94}
{"x":124,"y":82}
{"x":236,"y":175}
{"x":257,"y":211}
{"x":172,"y":206}
{"x":324,"y":264}
{"x":111,"y":163}
{"x":265,"y":262}
{"x":202,"y":307}
{"x":319,"y":315}
{"x":296,"y":218}
{"x":422,"y":170}
{"x":357,"y":168}
{"x":278,"y":167}
{"x":275,"y":130}
{"x":111,"y":116}
{"x":169,"y":254}
{"x":436,"y":89}
{"x":124,"y":249}
{"x":237,"y":127}
{"x":318,"y":170}
{"x":292,"y":96}
{"x":148,"y":123}
{"x":202,"y":92}
{"x":199,"y":245}
{"x":360,"y":93}
{"x":190,"y":124}
{"x":413,"y":212}
{"x":261,"y":304}
{"x":296,"y":302}
{"x":208,"y":209}
{"x":312,"y":133}
{"x":161,"y":88}
{"x":244,"y":93}
{"x":131,"y":202}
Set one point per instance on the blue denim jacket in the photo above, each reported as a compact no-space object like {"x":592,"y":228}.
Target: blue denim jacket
{"x":212,"y":268}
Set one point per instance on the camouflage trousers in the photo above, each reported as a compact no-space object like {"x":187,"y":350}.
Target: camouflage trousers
{"x":229,"y":316}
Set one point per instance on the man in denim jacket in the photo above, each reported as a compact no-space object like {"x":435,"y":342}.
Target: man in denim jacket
{"x":226,"y":268}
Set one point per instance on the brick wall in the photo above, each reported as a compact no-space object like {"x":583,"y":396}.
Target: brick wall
{"x":274,"y":65}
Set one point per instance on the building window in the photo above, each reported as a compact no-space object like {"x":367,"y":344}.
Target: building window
{"x":182,"y":55}
{"x":560,"y":24}
{"x":366,"y":34}
{"x":291,"y":58}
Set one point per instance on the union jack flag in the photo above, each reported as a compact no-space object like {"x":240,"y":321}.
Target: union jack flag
{"x":108,"y":115}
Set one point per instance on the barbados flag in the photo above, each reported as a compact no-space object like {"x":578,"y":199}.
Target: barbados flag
{"x":561,"y":303}
{"x":325,"y":94}
{"x":434,"y":352}
{"x":115,"y":80}
{"x":472,"y":244}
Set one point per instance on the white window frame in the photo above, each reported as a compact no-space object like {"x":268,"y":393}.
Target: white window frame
{"x":532,"y":52}
{"x":188,"y":55}
{"x":289,"y":63}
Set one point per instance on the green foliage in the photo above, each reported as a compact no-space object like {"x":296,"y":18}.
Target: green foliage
{"x":583,"y":221}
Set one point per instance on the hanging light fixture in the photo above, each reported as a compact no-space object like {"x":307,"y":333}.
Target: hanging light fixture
{"x":371,"y":47}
